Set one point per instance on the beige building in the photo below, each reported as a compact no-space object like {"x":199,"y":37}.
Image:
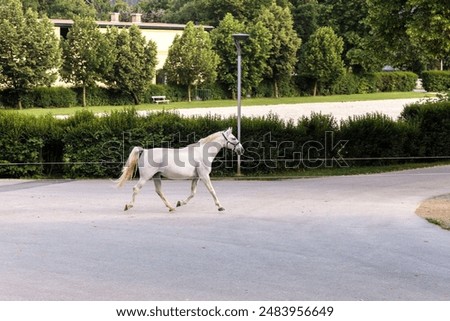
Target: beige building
{"x":162,"y":34}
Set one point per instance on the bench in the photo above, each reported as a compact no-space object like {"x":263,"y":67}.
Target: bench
{"x":160,"y":99}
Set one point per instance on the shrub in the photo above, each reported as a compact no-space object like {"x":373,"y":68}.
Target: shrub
{"x":101,"y":96}
{"x":22,"y":139}
{"x":433,"y":121}
{"x":266,"y":143}
{"x":317,"y":136}
{"x":98,"y":146}
{"x":347,"y":84}
{"x":212,"y":91}
{"x":436,"y":80}
{"x":376,"y":139}
{"x":395,"y":81}
{"x":42,"y":97}
{"x":45,"y":97}
{"x":286,"y":88}
{"x":9,"y":97}
{"x":176,"y":93}
{"x":91,"y":146}
{"x":350,"y":83}
{"x":154,"y":90}
{"x":367,"y":85}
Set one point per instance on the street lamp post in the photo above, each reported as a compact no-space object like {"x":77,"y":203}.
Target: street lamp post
{"x":238,"y":38}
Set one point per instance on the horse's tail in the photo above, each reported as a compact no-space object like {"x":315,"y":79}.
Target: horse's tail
{"x":130,"y":166}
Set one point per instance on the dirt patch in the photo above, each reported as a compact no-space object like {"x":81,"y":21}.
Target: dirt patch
{"x":436,"y":210}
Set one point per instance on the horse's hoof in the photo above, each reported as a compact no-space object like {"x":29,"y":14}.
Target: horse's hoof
{"x":221,"y":209}
{"x":171,"y":210}
{"x":127,"y":207}
{"x":179,"y":204}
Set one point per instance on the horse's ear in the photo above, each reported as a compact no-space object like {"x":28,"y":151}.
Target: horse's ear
{"x":228,"y":131}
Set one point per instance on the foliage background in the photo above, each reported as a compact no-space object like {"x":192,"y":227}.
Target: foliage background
{"x":274,"y":59}
{"x":89,"y":146}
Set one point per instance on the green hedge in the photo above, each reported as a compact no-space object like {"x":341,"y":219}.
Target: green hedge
{"x":436,"y":80}
{"x":45,"y":97}
{"x":50,"y":97}
{"x":433,"y":123}
{"x":88,"y":146}
{"x":33,"y":142}
{"x":376,"y":139}
{"x":394,"y":81}
{"x":41,"y":97}
{"x":350,"y":83}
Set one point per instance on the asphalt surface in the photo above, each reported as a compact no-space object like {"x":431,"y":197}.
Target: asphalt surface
{"x":333,"y":238}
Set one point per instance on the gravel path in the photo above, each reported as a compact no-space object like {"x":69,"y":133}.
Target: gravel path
{"x":436,"y":209}
{"x":340,"y":110}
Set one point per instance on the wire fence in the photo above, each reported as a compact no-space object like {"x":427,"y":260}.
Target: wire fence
{"x":259,"y":160}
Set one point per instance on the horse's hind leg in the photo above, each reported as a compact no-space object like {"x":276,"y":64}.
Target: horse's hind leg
{"x":193,"y":191}
{"x":136,"y":190}
{"x":157,"y":181}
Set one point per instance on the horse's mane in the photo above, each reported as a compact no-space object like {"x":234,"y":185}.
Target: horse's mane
{"x":209,"y":138}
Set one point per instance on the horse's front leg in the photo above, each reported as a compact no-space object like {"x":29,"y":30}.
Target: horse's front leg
{"x":157,"y":181}
{"x":193,"y":191}
{"x":207,"y":181}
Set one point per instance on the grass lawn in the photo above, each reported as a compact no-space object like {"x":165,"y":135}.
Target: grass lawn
{"x":231,"y":103}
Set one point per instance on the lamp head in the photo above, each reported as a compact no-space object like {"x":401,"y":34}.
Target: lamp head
{"x":240,"y":36}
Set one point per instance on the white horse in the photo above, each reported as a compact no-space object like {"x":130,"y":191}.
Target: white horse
{"x":191,"y":162}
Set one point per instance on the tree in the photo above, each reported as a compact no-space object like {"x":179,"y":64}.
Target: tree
{"x":31,"y":4}
{"x":211,"y":12}
{"x":429,"y":27}
{"x":69,"y":9}
{"x":183,"y":11}
{"x":153,"y":10}
{"x":86,"y":55}
{"x":102,"y":8}
{"x":285,"y":43}
{"x":346,"y":18}
{"x":223,"y":44}
{"x":388,"y":40}
{"x":321,"y":58}
{"x":29,"y":49}
{"x":191,"y":60}
{"x":409,"y":33}
{"x":134,"y":61}
{"x":307,"y":17}
{"x":242,"y":10}
{"x":255,"y":52}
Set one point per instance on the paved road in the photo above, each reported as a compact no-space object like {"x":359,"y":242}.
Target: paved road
{"x":334,"y":238}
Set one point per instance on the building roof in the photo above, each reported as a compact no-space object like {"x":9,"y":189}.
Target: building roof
{"x":122,"y":24}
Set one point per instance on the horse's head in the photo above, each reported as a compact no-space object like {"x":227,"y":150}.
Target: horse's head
{"x":232,"y":142}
